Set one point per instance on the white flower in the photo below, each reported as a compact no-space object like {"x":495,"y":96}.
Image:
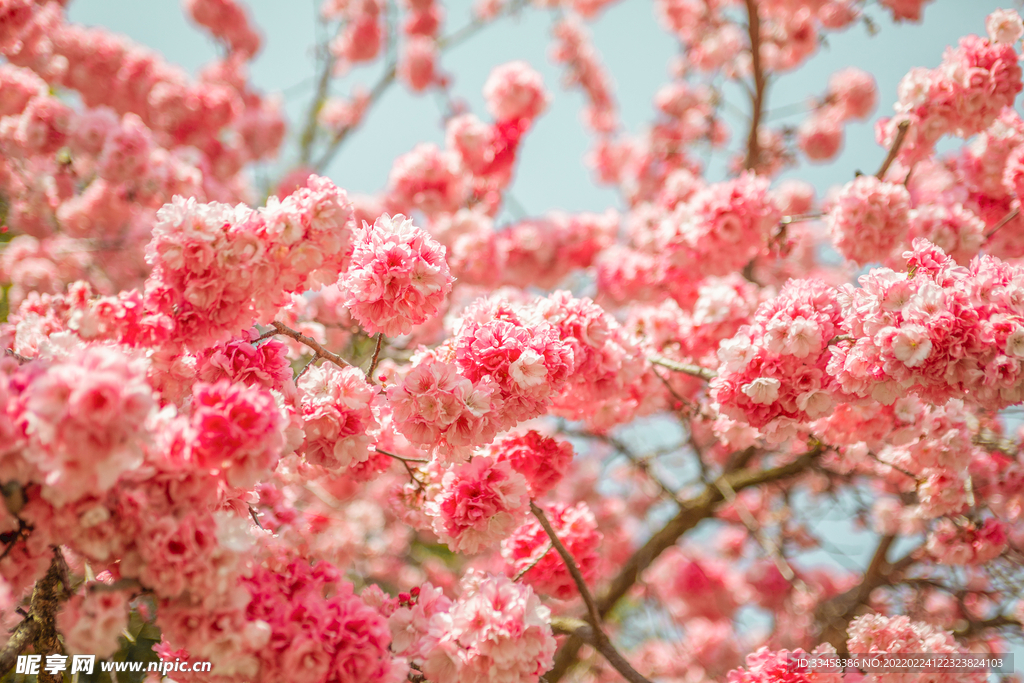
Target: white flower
{"x":1004,"y":26}
{"x":1015,"y":343}
{"x":802,"y":337}
{"x":911,"y":345}
{"x":528,"y":370}
{"x":763,"y":390}
{"x":735,"y":353}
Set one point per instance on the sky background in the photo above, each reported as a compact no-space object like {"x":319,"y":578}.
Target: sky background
{"x":551,"y":172}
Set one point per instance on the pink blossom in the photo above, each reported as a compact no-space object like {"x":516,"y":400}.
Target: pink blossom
{"x":480,"y":503}
{"x":869,"y":218}
{"x":542,"y":460}
{"x":530,"y":547}
{"x":515,"y":91}
{"x":338,"y":418}
{"x":397,"y":277}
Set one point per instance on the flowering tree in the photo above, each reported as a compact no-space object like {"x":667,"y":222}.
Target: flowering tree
{"x":308,"y":436}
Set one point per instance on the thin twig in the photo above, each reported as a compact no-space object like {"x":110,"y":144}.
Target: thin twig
{"x":583,"y":631}
{"x":533,"y":564}
{"x":18,"y":357}
{"x":894,"y":149}
{"x":769,"y":547}
{"x":570,"y":564}
{"x":255,"y":517}
{"x":598,"y":637}
{"x":757,"y":101}
{"x":685,"y":368}
{"x":376,"y":356}
{"x":691,"y":513}
{"x":311,"y":343}
{"x":1003,"y":221}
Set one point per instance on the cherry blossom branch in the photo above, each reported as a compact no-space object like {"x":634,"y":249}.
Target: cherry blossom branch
{"x":376,"y":356}
{"x":405,"y":463}
{"x":570,"y":564}
{"x":757,"y":104}
{"x":836,"y":614}
{"x":18,"y":357}
{"x":320,"y":351}
{"x":770,"y":548}
{"x":533,"y":564}
{"x":390,"y":74}
{"x":578,"y":628}
{"x":685,"y":368}
{"x":308,"y":136}
{"x":1003,"y":221}
{"x":894,"y":148}
{"x":692,"y":512}
{"x":23,"y":634}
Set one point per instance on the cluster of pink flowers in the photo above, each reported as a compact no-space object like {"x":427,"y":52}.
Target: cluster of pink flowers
{"x":236,"y":431}
{"x":962,"y":96}
{"x":959,"y":544}
{"x":228,"y":21}
{"x":79,"y":422}
{"x":782,"y":666}
{"x":541,"y":459}
{"x":527,"y":359}
{"x":216,"y":267}
{"x":774,"y":371}
{"x":334,"y":637}
{"x":397,"y":276}
{"x":529,"y":550}
{"x":608,"y":383}
{"x":874,"y":634}
{"x":722,"y":227}
{"x":940,"y":330}
{"x":496,"y":629}
{"x":869,"y":218}
{"x":93,"y":621}
{"x":480,"y":503}
{"x":694,"y":586}
{"x":361,"y":34}
{"x":437,"y":407}
{"x":240,"y":360}
{"x":338,"y":415}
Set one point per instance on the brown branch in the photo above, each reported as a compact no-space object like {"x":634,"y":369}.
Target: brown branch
{"x":584,"y":632}
{"x":691,"y":513}
{"x":974,"y":626}
{"x":24,"y":633}
{"x":835,"y":615}
{"x":320,"y":351}
{"x":894,"y":149}
{"x":18,"y":357}
{"x":1003,"y":221}
{"x":46,"y":597}
{"x":685,"y":368}
{"x":376,"y":357}
{"x":570,"y":564}
{"x":757,"y":98}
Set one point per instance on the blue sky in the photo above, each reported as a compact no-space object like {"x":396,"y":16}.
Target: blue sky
{"x":551,"y":172}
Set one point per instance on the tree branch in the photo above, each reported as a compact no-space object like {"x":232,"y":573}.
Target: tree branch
{"x":685,"y":368}
{"x":894,"y":149}
{"x":835,"y":615}
{"x":757,"y":100}
{"x":583,"y":631}
{"x":570,"y":564}
{"x":691,"y":513}
{"x":23,"y":634}
{"x":320,"y":351}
